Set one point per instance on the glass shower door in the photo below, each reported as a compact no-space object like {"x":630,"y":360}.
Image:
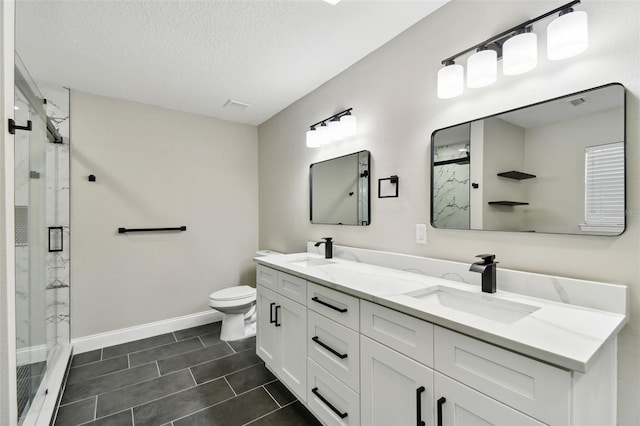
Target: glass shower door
{"x":31,"y":247}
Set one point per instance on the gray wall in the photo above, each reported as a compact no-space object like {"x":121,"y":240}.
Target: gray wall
{"x":393,"y":94}
{"x":156,"y":168}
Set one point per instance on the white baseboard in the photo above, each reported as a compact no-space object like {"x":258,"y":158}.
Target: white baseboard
{"x":115,"y":337}
{"x":31,"y":354}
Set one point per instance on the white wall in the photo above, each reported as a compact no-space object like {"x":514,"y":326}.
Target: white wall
{"x":560,"y":177}
{"x":503,"y":151}
{"x":156,"y":168}
{"x":393,"y":94}
{"x":8,"y":404}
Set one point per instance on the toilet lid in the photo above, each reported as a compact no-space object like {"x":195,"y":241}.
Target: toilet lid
{"x":233,"y":293}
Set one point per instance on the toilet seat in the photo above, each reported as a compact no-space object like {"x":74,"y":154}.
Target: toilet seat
{"x":232,"y":296}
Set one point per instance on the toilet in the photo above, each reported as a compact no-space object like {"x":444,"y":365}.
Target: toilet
{"x":238,"y":306}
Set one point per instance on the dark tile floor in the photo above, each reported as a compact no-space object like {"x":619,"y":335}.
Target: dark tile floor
{"x":188,"y":377}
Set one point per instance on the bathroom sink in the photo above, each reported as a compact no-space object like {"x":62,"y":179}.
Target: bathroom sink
{"x":310,"y":261}
{"x":478,"y":304}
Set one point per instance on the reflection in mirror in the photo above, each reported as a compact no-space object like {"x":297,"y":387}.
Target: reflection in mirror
{"x":339,"y":190}
{"x":554,"y":167}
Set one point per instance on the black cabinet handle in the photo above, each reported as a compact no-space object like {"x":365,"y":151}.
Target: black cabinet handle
{"x":328,"y":404}
{"x":277,"y":307}
{"x":341,"y":310}
{"x":271,"y":320}
{"x":441,"y":401}
{"x":329,"y":348}
{"x":419,"y":420}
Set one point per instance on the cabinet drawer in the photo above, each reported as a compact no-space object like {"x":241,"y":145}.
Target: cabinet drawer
{"x":330,"y":399}
{"x":408,"y":335}
{"x":334,"y":347}
{"x":267,"y":277}
{"x":535,"y":388}
{"x":464,"y":406}
{"x":293,"y":287}
{"x":340,"y":307}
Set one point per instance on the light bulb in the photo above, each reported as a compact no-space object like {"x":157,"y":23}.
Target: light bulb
{"x":520,"y":53}
{"x":567,"y":35}
{"x":349,"y":125}
{"x":450,"y":81}
{"x":335,"y":130}
{"x":313,"y":141}
{"x":482,"y":68}
{"x":323,"y":134}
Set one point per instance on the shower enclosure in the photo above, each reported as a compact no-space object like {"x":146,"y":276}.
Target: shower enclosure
{"x":41,"y":246}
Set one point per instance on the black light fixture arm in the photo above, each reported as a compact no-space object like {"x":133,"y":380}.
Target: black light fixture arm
{"x":560,"y":9}
{"x":333,"y":117}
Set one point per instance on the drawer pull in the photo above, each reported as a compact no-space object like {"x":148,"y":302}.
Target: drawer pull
{"x":271,"y":320}
{"x":341,"y":310}
{"x":441,"y":401}
{"x":276,"y":321}
{"x":419,"y":420}
{"x":329,"y":348}
{"x":328,"y":404}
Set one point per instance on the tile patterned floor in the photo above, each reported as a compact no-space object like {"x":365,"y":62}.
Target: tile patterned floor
{"x":188,"y":377}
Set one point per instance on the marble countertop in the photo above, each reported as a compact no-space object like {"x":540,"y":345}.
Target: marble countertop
{"x":565,"y":335}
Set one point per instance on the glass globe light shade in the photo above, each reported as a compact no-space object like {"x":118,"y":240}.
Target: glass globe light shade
{"x":450,"y":81}
{"x":349,"y":125}
{"x":313,"y":141}
{"x":567,"y":35}
{"x":482,"y":68}
{"x":335,"y":130}
{"x":520,"y":54}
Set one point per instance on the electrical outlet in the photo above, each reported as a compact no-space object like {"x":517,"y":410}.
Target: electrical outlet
{"x":421,"y":233}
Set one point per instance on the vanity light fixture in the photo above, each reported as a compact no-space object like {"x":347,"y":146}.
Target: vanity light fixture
{"x":517,"y":47}
{"x":335,"y":128}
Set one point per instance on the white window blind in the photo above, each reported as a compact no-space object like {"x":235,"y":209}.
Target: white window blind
{"x":604,"y":188}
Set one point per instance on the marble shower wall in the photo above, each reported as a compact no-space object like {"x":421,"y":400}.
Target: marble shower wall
{"x":21,"y":201}
{"x":58,"y":191}
{"x":451,"y":188}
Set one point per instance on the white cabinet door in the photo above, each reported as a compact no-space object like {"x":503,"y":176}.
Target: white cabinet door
{"x":394,"y":389}
{"x":459,"y":405}
{"x":291,"y":319}
{"x":281,"y":339}
{"x":268,"y":341}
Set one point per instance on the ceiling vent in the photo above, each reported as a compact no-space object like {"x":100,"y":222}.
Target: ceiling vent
{"x":577,"y":101}
{"x":234,"y":105}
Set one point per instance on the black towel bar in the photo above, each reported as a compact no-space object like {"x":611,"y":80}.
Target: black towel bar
{"x":125,"y":230}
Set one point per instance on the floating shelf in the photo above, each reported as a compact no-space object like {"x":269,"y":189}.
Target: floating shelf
{"x":516,"y":175}
{"x":507,"y":203}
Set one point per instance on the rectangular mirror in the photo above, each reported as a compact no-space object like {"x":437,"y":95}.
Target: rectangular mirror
{"x":557,"y":166}
{"x":339,"y":190}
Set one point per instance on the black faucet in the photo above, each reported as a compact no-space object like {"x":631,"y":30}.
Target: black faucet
{"x":328,"y":247}
{"x":488,"y":270}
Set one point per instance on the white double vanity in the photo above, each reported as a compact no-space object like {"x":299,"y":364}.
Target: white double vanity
{"x":373,"y":338}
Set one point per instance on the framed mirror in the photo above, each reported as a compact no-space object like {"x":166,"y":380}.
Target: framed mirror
{"x":557,"y":166}
{"x":339,"y":190}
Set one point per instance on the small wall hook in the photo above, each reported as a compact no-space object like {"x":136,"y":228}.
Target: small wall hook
{"x":92,"y":178}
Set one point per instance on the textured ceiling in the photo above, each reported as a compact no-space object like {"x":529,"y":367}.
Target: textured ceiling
{"x":193,"y":56}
